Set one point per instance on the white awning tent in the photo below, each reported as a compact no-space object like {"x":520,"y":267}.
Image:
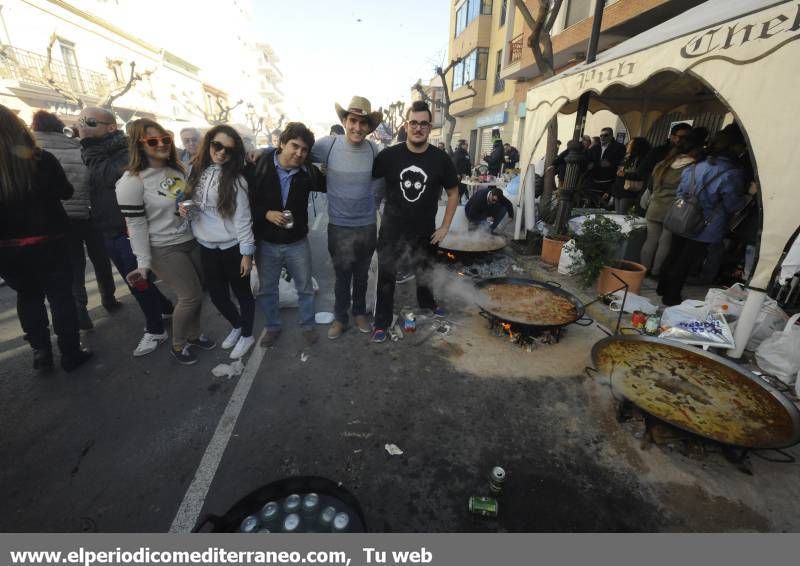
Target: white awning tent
{"x":723,"y":55}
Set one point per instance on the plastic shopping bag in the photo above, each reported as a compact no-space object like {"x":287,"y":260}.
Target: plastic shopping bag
{"x":691,"y":323}
{"x":730,"y":302}
{"x":779,"y":355}
{"x":571,"y":260}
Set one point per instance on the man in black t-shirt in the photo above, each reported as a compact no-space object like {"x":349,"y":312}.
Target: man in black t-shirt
{"x":415,"y":174}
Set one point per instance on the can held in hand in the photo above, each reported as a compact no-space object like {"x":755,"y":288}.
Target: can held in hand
{"x":190,"y":207}
{"x":497,"y":478}
{"x":287,"y":214}
{"x":484,"y":506}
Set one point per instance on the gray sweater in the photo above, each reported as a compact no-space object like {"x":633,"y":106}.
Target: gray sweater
{"x":68,"y":153}
{"x":351,"y":188}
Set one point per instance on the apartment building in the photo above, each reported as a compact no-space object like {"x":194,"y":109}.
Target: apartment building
{"x":492,"y":36}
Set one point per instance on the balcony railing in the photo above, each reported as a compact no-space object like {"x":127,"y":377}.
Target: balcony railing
{"x":515,"y":49}
{"x":28,"y":67}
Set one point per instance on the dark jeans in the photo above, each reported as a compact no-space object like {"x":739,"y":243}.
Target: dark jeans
{"x":395,"y":247}
{"x":152,"y":302}
{"x":36,"y":272}
{"x":82,"y":232}
{"x":351,"y":250}
{"x":221,"y":270}
{"x":683,"y":254}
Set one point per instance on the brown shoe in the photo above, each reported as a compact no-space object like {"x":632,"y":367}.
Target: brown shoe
{"x":362,"y":322}
{"x":336,"y":330}
{"x":310,"y":336}
{"x":270,"y":338}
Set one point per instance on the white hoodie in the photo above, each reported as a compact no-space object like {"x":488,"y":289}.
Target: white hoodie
{"x":210,"y":229}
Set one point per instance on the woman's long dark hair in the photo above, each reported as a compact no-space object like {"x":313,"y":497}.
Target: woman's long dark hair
{"x":18,"y":157}
{"x":231,"y":169}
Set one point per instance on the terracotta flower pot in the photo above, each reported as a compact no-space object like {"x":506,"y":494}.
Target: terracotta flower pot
{"x":630,"y":272}
{"x":551,"y":248}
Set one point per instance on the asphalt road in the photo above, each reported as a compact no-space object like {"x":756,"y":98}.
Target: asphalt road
{"x":146,"y":445}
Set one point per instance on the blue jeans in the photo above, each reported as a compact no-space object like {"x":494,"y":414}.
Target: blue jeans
{"x":297,"y":259}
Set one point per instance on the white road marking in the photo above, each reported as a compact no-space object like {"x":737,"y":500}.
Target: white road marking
{"x":192,"y":504}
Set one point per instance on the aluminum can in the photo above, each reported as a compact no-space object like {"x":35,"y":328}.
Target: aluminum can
{"x":249,"y":524}
{"x":191,"y":208}
{"x":638,"y":320}
{"x":326,"y":518}
{"x":340,"y":522}
{"x":484,"y":506}
{"x":270,"y":513}
{"x":497,"y":477}
{"x":291,"y":524}
{"x":310,"y":503}
{"x":652,"y":324}
{"x":292,"y":503}
{"x":287,"y":214}
{"x":409,"y":322}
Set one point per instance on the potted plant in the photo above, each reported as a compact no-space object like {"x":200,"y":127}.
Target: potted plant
{"x":599,"y":246}
{"x":552,"y":243}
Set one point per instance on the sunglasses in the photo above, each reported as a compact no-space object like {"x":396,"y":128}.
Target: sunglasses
{"x":415,"y":124}
{"x":219,"y":146}
{"x":605,"y":135}
{"x":153,"y":142}
{"x":91,"y":122}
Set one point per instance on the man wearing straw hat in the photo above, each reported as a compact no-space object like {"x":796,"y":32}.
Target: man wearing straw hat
{"x":352,"y":236}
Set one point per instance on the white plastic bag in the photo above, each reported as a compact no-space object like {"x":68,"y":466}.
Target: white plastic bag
{"x":730,"y":302}
{"x":571,"y":260}
{"x":779,"y":355}
{"x":691,"y":323}
{"x":633,"y":302}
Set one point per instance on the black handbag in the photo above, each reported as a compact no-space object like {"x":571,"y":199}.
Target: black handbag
{"x":685,"y":217}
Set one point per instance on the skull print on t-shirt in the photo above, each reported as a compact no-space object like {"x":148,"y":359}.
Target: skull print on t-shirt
{"x":413,"y":182}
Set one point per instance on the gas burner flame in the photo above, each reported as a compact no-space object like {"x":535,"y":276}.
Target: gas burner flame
{"x":451,"y":256}
{"x":507,"y":327}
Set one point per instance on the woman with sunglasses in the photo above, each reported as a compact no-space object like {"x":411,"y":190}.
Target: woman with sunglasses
{"x":223,"y":226}
{"x":148,"y":195}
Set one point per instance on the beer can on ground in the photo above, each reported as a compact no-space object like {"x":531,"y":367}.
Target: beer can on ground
{"x":249,"y":524}
{"x":340,"y":522}
{"x":287,"y":214}
{"x":652,"y":324}
{"x":497,"y":477}
{"x":291,"y":524}
{"x":270,"y":513}
{"x":292,"y":503}
{"x":409,"y":322}
{"x":310,"y":503}
{"x":484,"y":506}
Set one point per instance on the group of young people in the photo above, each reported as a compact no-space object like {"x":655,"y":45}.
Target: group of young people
{"x":204,"y":226}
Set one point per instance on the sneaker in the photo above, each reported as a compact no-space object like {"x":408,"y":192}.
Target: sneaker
{"x":439,"y":312}
{"x":231,"y":339}
{"x":270,"y":337}
{"x":149,"y":343}
{"x":310,"y":337}
{"x":336,"y":330}
{"x":362,"y":322}
{"x":75,"y":360}
{"x":84,"y":321}
{"x":379,"y":336}
{"x":112,"y":305}
{"x":203,"y":342}
{"x":184,"y":355}
{"x":43,"y":359}
{"x":403,"y":277}
{"x":243,"y":346}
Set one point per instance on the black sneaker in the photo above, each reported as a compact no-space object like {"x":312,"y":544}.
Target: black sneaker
{"x":112,"y":306}
{"x":43,"y":360}
{"x":74,"y":361}
{"x":184,"y":355}
{"x":203,"y":342}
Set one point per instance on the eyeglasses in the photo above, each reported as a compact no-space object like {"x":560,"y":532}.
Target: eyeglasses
{"x":153,"y":142}
{"x":85,"y":122}
{"x":421,"y":125}
{"x":219,"y":146}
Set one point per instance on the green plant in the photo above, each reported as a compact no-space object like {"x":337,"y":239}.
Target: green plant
{"x":597,"y":245}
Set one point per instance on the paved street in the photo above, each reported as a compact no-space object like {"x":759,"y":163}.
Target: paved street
{"x":116,"y":445}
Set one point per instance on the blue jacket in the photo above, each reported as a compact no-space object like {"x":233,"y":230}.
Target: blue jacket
{"x":721,"y":197}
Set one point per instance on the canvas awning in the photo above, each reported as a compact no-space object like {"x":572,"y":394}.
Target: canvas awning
{"x":723,"y":55}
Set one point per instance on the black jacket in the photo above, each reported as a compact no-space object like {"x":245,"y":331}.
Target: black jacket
{"x":478,"y":207}
{"x":495,"y":159}
{"x":462,"y":162}
{"x":653,"y":158}
{"x":106,"y":158}
{"x":40,"y":212}
{"x":512,"y":157}
{"x":265,"y":194}
{"x":615,"y":153}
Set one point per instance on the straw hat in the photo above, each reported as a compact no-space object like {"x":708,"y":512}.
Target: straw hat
{"x":360,"y":106}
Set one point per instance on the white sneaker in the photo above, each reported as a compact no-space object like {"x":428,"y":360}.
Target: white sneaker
{"x":232,"y":338}
{"x":242,"y":347}
{"x":149,"y":343}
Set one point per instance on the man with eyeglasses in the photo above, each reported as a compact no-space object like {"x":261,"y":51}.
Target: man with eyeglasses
{"x":190,"y":138}
{"x":104,"y":150}
{"x":352,"y":232}
{"x":603,"y":162}
{"x":415,"y":174}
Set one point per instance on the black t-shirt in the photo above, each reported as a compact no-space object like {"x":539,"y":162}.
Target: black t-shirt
{"x":414,"y":182}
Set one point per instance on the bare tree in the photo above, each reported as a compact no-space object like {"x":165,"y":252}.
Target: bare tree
{"x":446,"y":103}
{"x":47,"y":73}
{"x":221,"y":115}
{"x":540,"y":42}
{"x":393,"y":117}
{"x":134,"y":78}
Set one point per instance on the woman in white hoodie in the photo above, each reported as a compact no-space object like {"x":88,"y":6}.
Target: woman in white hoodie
{"x":223,"y":226}
{"x":148,"y":195}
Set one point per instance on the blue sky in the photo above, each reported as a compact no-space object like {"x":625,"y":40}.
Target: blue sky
{"x":330,"y":51}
